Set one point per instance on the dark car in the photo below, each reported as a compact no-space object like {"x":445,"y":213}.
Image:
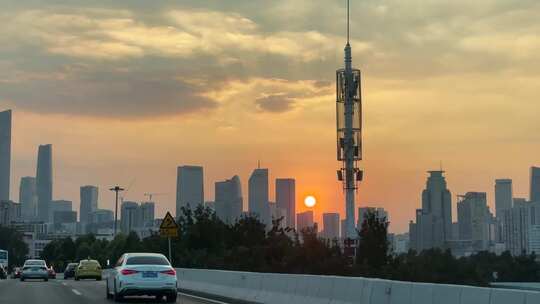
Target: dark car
{"x":69,"y":272}
{"x":16,"y":274}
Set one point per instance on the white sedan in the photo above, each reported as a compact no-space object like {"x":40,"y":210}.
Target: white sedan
{"x":142,"y":274}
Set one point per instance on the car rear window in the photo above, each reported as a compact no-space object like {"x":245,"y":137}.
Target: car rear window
{"x":147,"y":260}
{"x":29,"y":263}
{"x":89,"y":263}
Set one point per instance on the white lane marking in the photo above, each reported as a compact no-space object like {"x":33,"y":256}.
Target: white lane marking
{"x":75,"y":291}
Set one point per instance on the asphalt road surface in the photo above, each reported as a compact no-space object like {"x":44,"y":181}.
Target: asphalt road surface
{"x":60,"y":291}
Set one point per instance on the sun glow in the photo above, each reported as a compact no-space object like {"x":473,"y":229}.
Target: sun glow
{"x":310,"y":201}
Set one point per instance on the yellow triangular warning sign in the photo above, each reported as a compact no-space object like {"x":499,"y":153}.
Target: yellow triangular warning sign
{"x":168,"y":222}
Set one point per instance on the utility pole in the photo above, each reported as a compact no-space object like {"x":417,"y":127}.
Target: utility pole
{"x":116,"y":189}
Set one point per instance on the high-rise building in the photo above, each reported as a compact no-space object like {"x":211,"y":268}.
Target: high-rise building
{"x":228,"y":202}
{"x":101,"y":216}
{"x":278,"y":213}
{"x":129,"y":217}
{"x":44,"y":182}
{"x":286,"y":199}
{"x":28,"y":198}
{"x":517,"y":222}
{"x":89,"y":202}
{"x":59,"y":205}
{"x":189,"y":188}
{"x":5,"y":154}
{"x":535,"y":184}
{"x":433,"y":227}
{"x":380,"y":213}
{"x":400,"y":243}
{"x":258,"y":195}
{"x":304,"y":220}
{"x":9,"y":212}
{"x":503,"y":196}
{"x":474,"y":220}
{"x":147,"y":210}
{"x":64,"y":217}
{"x":331,"y":224}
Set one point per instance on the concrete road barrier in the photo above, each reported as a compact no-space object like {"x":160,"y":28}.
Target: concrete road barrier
{"x":273,"y":288}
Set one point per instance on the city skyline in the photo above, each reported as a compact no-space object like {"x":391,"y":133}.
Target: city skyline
{"x":229,"y":105}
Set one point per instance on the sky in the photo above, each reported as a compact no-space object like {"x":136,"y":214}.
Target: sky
{"x":127,"y":91}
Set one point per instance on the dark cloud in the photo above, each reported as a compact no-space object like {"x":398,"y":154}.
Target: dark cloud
{"x":107,"y":94}
{"x":275,"y":103}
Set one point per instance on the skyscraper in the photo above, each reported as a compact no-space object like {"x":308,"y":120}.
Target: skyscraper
{"x":189,"y":187}
{"x":433,"y":225}
{"x":89,"y":203}
{"x":228,"y":202}
{"x":5,"y":154}
{"x":44,"y":182}
{"x":258,"y":195}
{"x":129,"y":217}
{"x":147,"y":210}
{"x":474,"y":220}
{"x":305,"y":220}
{"x":535,"y":184}
{"x":503,"y":196}
{"x":331,"y":224}
{"x":286,"y":199}
{"x":28,"y":198}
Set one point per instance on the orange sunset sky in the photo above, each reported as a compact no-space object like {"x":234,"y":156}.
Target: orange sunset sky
{"x":128,"y":92}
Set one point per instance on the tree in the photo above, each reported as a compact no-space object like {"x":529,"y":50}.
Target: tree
{"x":372,"y":253}
{"x":12,"y":241}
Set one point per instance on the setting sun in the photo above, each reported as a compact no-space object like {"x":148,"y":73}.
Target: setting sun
{"x":310,"y":201}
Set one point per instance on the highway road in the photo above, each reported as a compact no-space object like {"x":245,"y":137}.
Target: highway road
{"x":60,"y":291}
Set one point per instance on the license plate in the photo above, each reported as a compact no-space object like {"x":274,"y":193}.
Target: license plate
{"x":149,"y":274}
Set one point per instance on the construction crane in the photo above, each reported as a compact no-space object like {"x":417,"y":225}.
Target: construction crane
{"x":152,"y":194}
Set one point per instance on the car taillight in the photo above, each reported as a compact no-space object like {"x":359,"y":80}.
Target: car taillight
{"x":169,"y":272}
{"x":128,"y":271}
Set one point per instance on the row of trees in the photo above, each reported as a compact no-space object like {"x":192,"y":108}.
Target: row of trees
{"x":206,"y":242}
{"x":12,"y":241}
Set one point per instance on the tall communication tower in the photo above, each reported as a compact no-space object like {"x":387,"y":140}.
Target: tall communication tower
{"x":349,"y":133}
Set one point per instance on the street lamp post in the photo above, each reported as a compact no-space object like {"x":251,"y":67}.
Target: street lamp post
{"x":116,"y":189}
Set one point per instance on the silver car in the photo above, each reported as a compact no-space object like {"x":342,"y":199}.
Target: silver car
{"x":142,"y":274}
{"x":35,"y":269}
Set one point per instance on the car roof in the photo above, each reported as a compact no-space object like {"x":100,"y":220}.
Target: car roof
{"x":89,"y":261}
{"x":133,"y":254}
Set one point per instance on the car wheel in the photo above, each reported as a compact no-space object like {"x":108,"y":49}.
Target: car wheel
{"x":22,"y":279}
{"x":46,"y":279}
{"x":171,"y":298}
{"x":77,"y":278}
{"x":98,"y":278}
{"x":117,"y":297}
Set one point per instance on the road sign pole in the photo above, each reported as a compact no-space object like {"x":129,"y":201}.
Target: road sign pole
{"x":170,"y":256}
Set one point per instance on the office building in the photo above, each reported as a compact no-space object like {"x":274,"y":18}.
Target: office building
{"x":130,"y":217}
{"x":59,"y":205}
{"x":380,"y":214}
{"x":535,"y":184}
{"x":474,"y":220}
{"x":304,"y":220}
{"x":286,"y":199}
{"x":228,"y":201}
{"x":9,"y":212}
{"x":102,"y":216}
{"x":189,"y":188}
{"x":516,"y":228}
{"x":147,"y":210}
{"x":44,"y":182}
{"x":503,"y":196}
{"x":277,"y":213}
{"x":28,"y":198}
{"x":5,"y":154}
{"x":64,"y":217}
{"x":258,"y":195}
{"x":433,"y":227}
{"x":400,"y":243}
{"x":331,"y":224}
{"x":89,"y":202}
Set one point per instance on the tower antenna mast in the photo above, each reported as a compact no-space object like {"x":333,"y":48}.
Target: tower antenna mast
{"x":349,"y":132}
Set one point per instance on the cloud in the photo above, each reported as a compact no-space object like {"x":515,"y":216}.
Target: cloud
{"x":275,"y":103}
